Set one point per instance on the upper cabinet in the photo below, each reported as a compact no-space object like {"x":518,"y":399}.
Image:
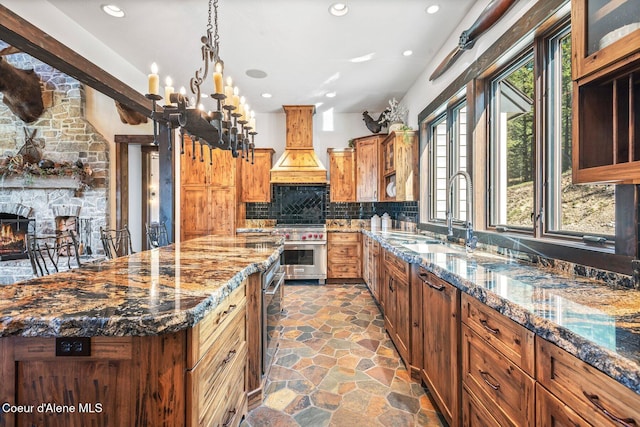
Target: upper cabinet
{"x":255,"y":177}
{"x":368,"y":165}
{"x":342,"y":174}
{"x":606,"y":100}
{"x":399,"y":177}
{"x":604,"y":31}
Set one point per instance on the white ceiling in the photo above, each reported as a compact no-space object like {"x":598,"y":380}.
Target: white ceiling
{"x":304,"y":50}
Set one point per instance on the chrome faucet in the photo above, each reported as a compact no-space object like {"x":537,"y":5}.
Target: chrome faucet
{"x":470,"y":240}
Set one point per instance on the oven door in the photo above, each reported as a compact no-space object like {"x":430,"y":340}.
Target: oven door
{"x":305,"y":261}
{"x":272,"y":299}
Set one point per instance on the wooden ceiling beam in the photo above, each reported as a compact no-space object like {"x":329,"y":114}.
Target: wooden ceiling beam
{"x":23,"y":35}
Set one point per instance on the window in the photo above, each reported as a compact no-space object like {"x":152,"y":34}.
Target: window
{"x":512,"y":146}
{"x":446,"y":154}
{"x":530,"y":187}
{"x":573,"y":209}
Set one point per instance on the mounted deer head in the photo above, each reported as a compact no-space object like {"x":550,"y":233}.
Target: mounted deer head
{"x":21,"y":91}
{"x":129,"y":115}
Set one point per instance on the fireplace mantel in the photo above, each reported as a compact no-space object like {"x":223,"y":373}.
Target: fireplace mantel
{"x":39,"y":182}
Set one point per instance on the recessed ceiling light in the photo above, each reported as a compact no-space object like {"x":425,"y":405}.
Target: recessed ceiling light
{"x":331,"y":95}
{"x":112,"y":10}
{"x":432,"y":9}
{"x":266,"y":95}
{"x":256,"y":74}
{"x":338,"y":9}
{"x":407,"y":53}
{"x":363,"y":58}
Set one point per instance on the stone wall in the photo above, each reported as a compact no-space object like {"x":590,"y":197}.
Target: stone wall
{"x":64,"y":135}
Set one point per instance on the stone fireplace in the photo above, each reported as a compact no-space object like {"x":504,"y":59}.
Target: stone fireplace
{"x":15,"y":224}
{"x":53,"y":199}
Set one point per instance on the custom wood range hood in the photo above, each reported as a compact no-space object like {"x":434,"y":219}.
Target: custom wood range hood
{"x":299,"y":163}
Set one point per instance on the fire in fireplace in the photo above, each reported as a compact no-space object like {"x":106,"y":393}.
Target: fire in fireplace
{"x":13,"y":236}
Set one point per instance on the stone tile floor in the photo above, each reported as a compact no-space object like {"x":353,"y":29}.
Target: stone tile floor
{"x":336,"y":366}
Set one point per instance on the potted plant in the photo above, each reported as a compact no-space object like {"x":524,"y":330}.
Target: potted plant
{"x":394,"y":115}
{"x":407,"y":133}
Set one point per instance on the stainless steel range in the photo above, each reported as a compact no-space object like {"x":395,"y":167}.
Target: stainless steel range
{"x":305,"y":252}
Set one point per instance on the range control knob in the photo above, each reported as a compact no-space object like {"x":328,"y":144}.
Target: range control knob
{"x":304,"y":237}
{"x":286,"y":236}
{"x":310,"y":235}
{"x":315,"y":236}
{"x":320,"y":235}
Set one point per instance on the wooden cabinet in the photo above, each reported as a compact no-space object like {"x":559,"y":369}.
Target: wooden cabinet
{"x":342,"y":174}
{"x":209,"y":192}
{"x":191,"y":377}
{"x":399,"y":178}
{"x":254,"y":178}
{"x":602,"y":33}
{"x":371,"y":267}
{"x":551,"y":412}
{"x":588,"y":393}
{"x":497,"y":365}
{"x":441,"y":337}
{"x":344,"y":254}
{"x":216,"y":365}
{"x":606,"y":98}
{"x":368,"y":166}
{"x":397,"y":317}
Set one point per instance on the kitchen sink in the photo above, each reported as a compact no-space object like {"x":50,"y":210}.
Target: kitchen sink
{"x":434,"y":247}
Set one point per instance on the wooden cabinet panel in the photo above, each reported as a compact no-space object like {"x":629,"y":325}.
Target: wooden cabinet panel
{"x":342,"y":174}
{"x":208,"y":193}
{"x":344,"y":256}
{"x":254,"y":180}
{"x":551,"y":412}
{"x":397,"y":317}
{"x":371,"y":267}
{"x":399,"y":167}
{"x":126,"y":381}
{"x":368,"y":164}
{"x":441,"y":356}
{"x":587,"y":391}
{"x":593,"y":27}
{"x":417,"y":343}
{"x":512,"y":340}
{"x":502,"y":387}
{"x":223,"y":211}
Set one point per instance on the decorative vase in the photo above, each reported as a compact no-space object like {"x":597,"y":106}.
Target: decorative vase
{"x":395,"y":126}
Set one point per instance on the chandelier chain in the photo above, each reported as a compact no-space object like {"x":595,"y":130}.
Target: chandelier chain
{"x":209,"y":26}
{"x":215,"y":11}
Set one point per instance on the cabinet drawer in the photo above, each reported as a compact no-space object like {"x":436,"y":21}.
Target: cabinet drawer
{"x":222,"y":363}
{"x":504,"y":389}
{"x":509,"y":338}
{"x":590,"y":393}
{"x":344,"y":253}
{"x":343,"y":238}
{"x":551,"y":412}
{"x":398,"y":266}
{"x":231,"y":398}
{"x":473,"y":413}
{"x":203,"y":335}
{"x":344,"y":271}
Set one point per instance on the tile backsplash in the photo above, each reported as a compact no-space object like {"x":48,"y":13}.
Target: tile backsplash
{"x":310,"y":204}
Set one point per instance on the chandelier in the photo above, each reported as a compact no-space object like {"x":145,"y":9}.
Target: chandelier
{"x":231,"y":126}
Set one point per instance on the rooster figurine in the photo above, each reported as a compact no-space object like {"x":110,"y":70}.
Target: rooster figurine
{"x":374,"y":125}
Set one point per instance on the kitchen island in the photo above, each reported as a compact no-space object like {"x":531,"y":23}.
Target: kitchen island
{"x":160,"y":337}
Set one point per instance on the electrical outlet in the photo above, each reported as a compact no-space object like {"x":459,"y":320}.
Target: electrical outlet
{"x":73,"y":346}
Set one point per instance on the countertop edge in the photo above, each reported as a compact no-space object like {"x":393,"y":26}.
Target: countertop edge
{"x":614,"y":365}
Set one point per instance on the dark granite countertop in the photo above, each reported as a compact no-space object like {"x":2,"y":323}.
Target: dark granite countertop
{"x":148,"y":293}
{"x":596,"y":322}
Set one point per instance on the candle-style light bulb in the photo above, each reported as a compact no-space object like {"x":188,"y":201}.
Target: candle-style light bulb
{"x":235,"y":99}
{"x":252,"y":121}
{"x":228,"y":89}
{"x":168,"y":90}
{"x":217,"y":78}
{"x":154,"y":80}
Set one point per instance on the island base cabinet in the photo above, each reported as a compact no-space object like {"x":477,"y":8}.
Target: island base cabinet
{"x":126,"y":381}
{"x":474,"y":414}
